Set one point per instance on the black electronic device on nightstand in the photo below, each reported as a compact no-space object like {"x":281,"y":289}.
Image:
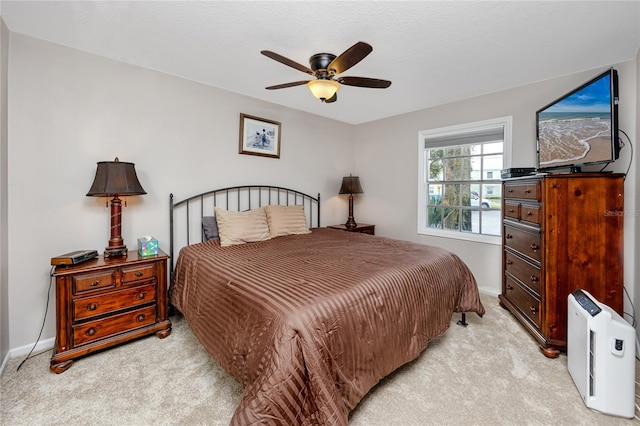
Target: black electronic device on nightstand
{"x":74,"y":257}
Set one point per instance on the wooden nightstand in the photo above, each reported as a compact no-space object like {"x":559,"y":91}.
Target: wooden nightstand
{"x":361,"y":227}
{"x":104,"y":302}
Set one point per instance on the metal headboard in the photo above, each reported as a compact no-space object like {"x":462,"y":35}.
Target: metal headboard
{"x":185,"y":216}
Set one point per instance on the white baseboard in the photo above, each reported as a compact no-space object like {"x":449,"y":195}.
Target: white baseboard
{"x":488,"y":291}
{"x":5,"y":361}
{"x":42,"y":345}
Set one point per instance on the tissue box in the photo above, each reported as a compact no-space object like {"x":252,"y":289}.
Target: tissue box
{"x":148,"y":246}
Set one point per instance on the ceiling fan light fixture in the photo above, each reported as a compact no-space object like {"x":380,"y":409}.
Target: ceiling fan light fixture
{"x":323,"y":89}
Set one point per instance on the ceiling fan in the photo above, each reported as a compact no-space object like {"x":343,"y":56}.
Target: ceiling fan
{"x":325,"y":66}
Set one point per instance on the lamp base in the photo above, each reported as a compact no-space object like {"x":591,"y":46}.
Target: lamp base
{"x":115,"y":251}
{"x":351,"y":223}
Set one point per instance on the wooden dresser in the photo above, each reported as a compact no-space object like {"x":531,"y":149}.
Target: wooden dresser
{"x":104,"y":302}
{"x":560,"y":233}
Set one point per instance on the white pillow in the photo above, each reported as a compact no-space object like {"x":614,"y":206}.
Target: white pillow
{"x":286,"y":220}
{"x":241,"y":227}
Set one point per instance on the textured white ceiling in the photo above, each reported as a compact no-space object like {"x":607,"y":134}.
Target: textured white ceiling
{"x":434,"y":52}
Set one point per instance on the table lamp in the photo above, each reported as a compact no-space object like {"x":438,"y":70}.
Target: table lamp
{"x":351,"y":185}
{"x":115,"y":178}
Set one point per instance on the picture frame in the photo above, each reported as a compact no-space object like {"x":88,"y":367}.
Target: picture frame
{"x":259,"y":136}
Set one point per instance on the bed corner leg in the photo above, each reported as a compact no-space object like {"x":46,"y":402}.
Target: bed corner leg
{"x":463,"y":321}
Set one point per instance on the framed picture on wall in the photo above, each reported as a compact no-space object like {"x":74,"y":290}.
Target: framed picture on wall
{"x":259,"y":136}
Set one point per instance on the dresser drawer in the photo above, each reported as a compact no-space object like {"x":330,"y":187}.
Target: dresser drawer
{"x":522,"y":212}
{"x":512,"y":210}
{"x":88,"y":307}
{"x":524,"y":241}
{"x":95,"y":281}
{"x":105,"y":327}
{"x":524,"y":190}
{"x":524,"y":301}
{"x":138,"y":273}
{"x":524,"y":271}
{"x":530,"y":213}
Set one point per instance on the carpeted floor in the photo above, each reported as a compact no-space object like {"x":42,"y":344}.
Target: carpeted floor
{"x":490,"y":373}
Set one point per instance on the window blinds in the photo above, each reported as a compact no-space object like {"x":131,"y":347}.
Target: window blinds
{"x":488,"y":134}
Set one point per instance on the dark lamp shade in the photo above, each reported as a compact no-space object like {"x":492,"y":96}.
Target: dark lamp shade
{"x":351,"y":185}
{"x":115,"y":178}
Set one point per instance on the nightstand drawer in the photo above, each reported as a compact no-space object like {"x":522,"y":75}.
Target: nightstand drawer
{"x":91,"y":282}
{"x":105,"y":327}
{"x":88,"y":307}
{"x":138,"y":273}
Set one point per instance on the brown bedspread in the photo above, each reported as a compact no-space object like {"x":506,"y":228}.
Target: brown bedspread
{"x":309,"y":323}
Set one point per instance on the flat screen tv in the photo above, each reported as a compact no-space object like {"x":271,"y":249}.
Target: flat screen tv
{"x":580,"y":128}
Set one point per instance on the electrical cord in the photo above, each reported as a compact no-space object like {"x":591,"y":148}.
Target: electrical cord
{"x":622,"y":145}
{"x":631,"y":155}
{"x":46,"y":309}
{"x":632,"y":315}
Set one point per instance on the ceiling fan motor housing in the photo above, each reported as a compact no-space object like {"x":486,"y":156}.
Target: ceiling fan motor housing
{"x":320,"y":62}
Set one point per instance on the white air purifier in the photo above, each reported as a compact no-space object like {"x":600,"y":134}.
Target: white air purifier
{"x":601,"y":355}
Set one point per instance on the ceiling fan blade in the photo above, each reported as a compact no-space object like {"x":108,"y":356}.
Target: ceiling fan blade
{"x":374,"y":83}
{"x":350,"y":57}
{"x":286,"y":61}
{"x":285,"y":85}
{"x":332,"y":99}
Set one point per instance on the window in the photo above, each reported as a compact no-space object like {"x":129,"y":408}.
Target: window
{"x":459,"y":188}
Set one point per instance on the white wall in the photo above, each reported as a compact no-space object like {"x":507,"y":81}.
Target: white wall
{"x":69,"y":109}
{"x":4,"y":269}
{"x":386,"y":160}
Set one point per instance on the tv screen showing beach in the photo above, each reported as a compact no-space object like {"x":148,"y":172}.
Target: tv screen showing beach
{"x":577,"y":129}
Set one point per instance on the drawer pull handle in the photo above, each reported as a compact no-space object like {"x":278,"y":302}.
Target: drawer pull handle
{"x":92,"y":331}
{"x":534,"y":247}
{"x":533,"y":279}
{"x":509,"y":236}
{"x":92,"y":306}
{"x":509,"y":262}
{"x":527,"y":191}
{"x":95,"y":283}
{"x":509,"y":287}
{"x":510,"y":190}
{"x":141,"y":295}
{"x":529,"y":213}
{"x":511,"y":210}
{"x":139,"y":274}
{"x":140,"y":317}
{"x":533,"y":310}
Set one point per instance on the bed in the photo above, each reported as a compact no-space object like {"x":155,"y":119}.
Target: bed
{"x":308,"y":321}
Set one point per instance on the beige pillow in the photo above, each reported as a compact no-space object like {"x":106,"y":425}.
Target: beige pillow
{"x":241,"y":227}
{"x":286,"y":220}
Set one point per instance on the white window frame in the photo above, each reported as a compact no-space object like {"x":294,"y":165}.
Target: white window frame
{"x":458,"y":132}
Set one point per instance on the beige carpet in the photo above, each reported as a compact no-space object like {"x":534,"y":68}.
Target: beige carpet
{"x":489,"y":373}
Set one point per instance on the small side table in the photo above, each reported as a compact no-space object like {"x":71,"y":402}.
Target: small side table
{"x":107,"y":301}
{"x":363,"y":228}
